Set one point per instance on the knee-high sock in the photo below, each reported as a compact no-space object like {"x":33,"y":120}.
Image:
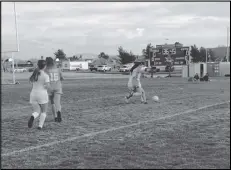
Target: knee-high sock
{"x":143,"y":96}
{"x":42,"y":119}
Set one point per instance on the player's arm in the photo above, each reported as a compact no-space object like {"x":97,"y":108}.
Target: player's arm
{"x":31,"y":85}
{"x":61,"y":75}
{"x":47,"y":82}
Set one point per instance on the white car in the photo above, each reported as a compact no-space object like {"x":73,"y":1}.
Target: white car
{"x":103,"y":68}
{"x":20,"y":70}
{"x":124,"y":69}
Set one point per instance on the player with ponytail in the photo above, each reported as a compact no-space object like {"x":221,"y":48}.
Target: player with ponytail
{"x":39,"y":96}
{"x":136,"y":90}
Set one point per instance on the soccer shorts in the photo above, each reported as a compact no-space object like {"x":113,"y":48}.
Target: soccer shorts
{"x":55,"y":88}
{"x":40,"y":97}
{"x":55,"y":91}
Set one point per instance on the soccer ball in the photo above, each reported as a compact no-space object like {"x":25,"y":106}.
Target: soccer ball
{"x":155,"y":98}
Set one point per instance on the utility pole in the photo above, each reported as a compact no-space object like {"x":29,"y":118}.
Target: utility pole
{"x":207,"y":59}
{"x":187,"y":60}
{"x":227,"y":52}
{"x":150,"y":53}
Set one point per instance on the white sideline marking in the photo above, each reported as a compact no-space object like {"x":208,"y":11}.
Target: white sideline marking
{"x":109,"y":130}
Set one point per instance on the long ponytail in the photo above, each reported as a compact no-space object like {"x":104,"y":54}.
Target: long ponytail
{"x":134,"y":67}
{"x":34,"y":76}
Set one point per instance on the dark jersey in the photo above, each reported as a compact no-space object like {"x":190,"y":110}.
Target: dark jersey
{"x":55,"y":78}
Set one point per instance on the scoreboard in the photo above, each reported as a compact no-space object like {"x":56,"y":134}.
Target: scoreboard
{"x":162,"y":54}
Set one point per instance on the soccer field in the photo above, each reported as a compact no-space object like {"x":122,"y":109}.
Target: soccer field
{"x":189,"y":128}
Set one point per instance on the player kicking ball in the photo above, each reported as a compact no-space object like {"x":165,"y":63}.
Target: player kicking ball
{"x":39,"y":96}
{"x":136,"y":90}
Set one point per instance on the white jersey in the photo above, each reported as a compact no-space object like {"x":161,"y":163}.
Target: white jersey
{"x":39,"y":84}
{"x":39,"y":92}
{"x":135,"y":74}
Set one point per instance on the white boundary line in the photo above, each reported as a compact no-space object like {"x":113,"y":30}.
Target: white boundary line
{"x":110,"y":130}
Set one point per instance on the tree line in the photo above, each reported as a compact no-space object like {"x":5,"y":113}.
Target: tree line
{"x":198,"y":55}
{"x":124,"y":56}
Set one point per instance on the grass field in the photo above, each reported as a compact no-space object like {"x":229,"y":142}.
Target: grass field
{"x":187,"y":129}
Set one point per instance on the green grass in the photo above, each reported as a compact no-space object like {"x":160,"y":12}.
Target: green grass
{"x":194,"y":140}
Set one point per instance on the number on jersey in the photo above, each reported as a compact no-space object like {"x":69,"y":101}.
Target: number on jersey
{"x":54,"y":76}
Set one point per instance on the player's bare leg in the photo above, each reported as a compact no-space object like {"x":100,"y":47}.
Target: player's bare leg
{"x":54,"y":112}
{"x":143,"y":97}
{"x":57,"y":98}
{"x":53,"y":107}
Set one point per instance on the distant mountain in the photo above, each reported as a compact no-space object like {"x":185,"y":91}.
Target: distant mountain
{"x":87,"y":55}
{"x":114,"y":56}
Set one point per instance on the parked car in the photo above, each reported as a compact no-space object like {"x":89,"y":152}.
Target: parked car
{"x":103,"y":68}
{"x":155,"y":69}
{"x":93,"y":68}
{"x":20,"y":70}
{"x":151,"y":69}
{"x":31,"y":69}
{"x":167,"y":68}
{"x":124,"y":68}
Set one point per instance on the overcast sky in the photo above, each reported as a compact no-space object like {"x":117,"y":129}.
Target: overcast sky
{"x":93,"y":27}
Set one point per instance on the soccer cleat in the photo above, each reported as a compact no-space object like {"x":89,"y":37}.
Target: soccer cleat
{"x":144,"y":102}
{"x":59,"y":116}
{"x":39,"y":128}
{"x":56,"y":119}
{"x":30,"y":122}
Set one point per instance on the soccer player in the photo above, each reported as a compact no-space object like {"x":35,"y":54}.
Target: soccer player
{"x":136,"y":90}
{"x":55,"y":91}
{"x":39,"y":96}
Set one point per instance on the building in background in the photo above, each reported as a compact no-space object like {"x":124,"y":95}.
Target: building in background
{"x":68,"y":65}
{"x":111,"y":62}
